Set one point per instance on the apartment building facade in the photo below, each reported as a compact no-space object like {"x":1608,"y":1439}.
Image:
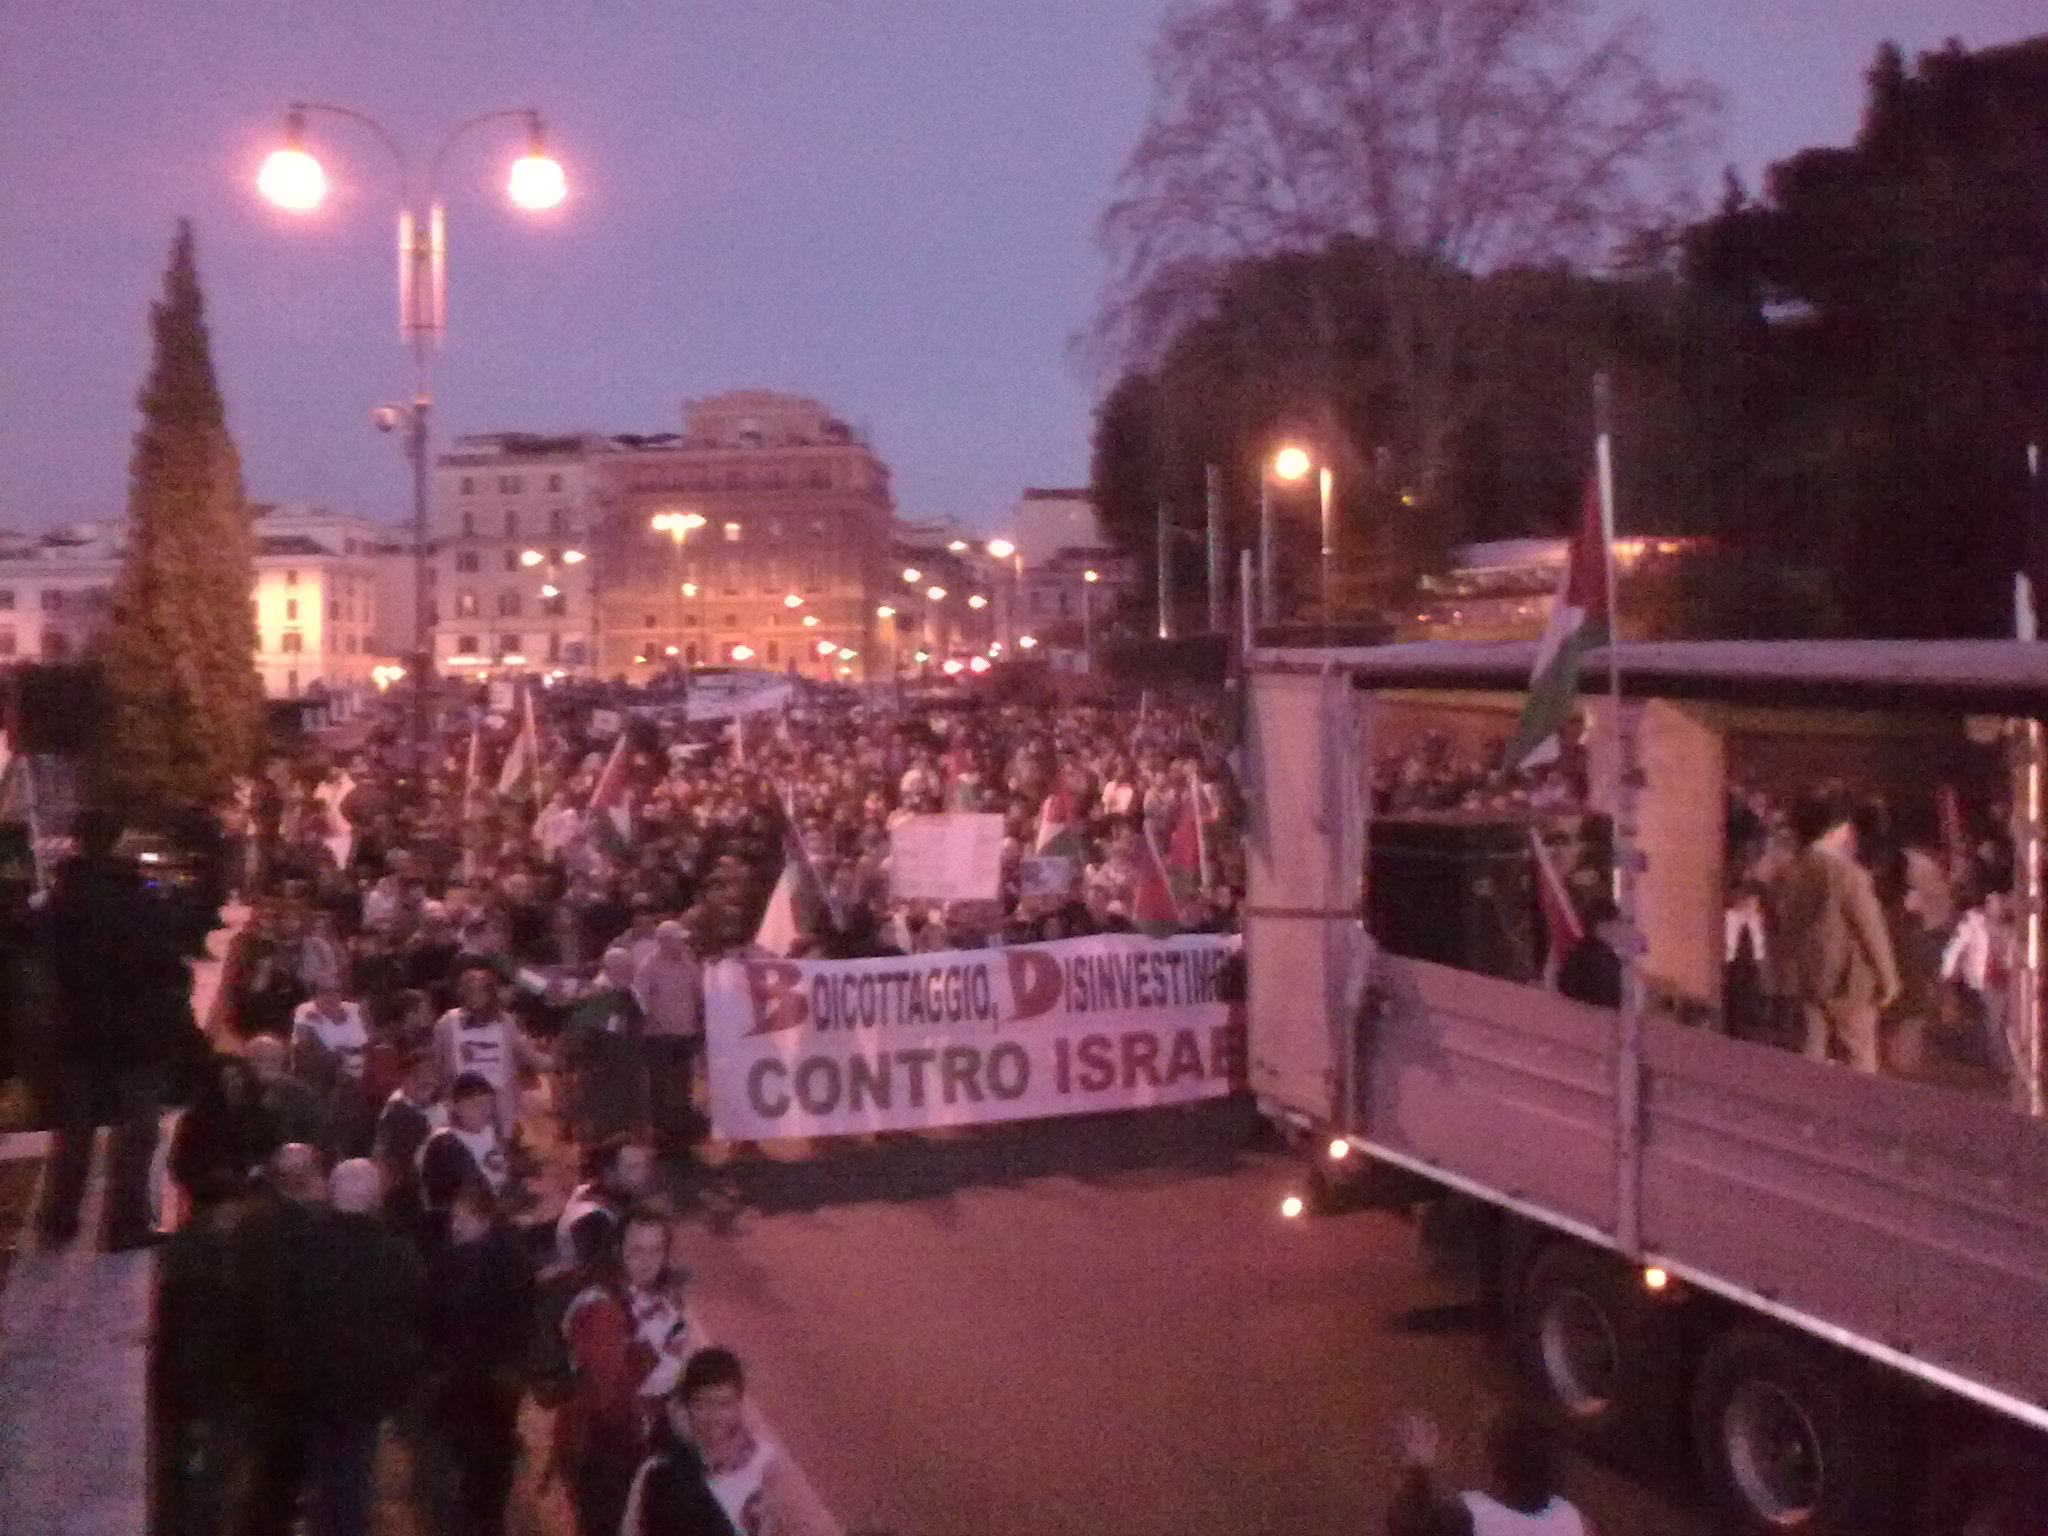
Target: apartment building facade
{"x":758,"y":536}
{"x":331,"y":596}
{"x":510,"y":573}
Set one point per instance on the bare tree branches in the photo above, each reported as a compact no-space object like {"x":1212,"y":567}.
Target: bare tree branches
{"x":1479,"y":134}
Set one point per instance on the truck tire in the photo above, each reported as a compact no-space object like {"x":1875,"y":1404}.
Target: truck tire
{"x":1599,"y":1353}
{"x":1792,"y":1439}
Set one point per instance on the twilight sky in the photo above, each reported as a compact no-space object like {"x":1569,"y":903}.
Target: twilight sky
{"x":888,"y":205}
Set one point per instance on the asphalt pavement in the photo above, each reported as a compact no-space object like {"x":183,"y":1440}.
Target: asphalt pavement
{"x":1095,"y":1327}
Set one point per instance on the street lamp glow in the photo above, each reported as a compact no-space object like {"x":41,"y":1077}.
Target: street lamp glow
{"x":912,"y":574}
{"x":292,"y":179}
{"x":810,"y":621}
{"x":978,"y":663}
{"x":537,"y":183}
{"x":530,"y":557}
{"x":743,"y":653}
{"x":847,"y":653}
{"x":689,"y":589}
{"x":1026,"y":642}
{"x":572,"y":557}
{"x":952,"y":668}
{"x":1091,"y":575}
{"x":792,"y":601}
{"x":1002,"y":549}
{"x":885,"y":612}
{"x":958,"y":546}
{"x":1291,"y":463}
{"x":936,"y":594}
{"x":669,"y":651}
{"x":550,"y":590}
{"x":826,"y":647}
{"x":977,"y":601}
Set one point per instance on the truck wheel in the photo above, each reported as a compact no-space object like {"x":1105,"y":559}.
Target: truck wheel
{"x":1792,"y":1441}
{"x":1598,"y":1353}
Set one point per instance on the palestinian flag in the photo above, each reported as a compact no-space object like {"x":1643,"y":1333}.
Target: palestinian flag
{"x":1154,"y":912}
{"x":1058,"y":837}
{"x":519,"y":776}
{"x":798,"y":905}
{"x":1560,"y":913}
{"x":1184,"y":851}
{"x":1579,"y":622}
{"x":611,"y":806}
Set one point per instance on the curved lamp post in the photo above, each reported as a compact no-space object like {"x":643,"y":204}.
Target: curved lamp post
{"x":293,"y":179}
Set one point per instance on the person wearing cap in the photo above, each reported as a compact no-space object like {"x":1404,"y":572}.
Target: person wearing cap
{"x":669,"y":983}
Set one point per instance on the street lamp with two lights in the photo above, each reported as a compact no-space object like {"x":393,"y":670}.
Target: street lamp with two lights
{"x":294,"y":180}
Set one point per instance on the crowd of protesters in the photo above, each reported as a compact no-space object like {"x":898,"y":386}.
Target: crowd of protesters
{"x":1923,"y":955}
{"x":459,"y":968}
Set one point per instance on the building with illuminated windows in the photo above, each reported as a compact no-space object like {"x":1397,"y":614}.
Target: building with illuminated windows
{"x":758,"y":536}
{"x":332,"y":597}
{"x":510,"y":573}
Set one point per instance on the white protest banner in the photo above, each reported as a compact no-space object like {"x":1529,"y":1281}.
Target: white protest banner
{"x":968,"y":1037}
{"x":503,"y":698}
{"x":957,"y":856}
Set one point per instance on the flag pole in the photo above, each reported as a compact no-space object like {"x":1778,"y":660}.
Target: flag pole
{"x":2032,"y":1055}
{"x":1628,"y":1053}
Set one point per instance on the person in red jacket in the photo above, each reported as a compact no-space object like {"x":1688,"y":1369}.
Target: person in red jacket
{"x":627,"y":1342}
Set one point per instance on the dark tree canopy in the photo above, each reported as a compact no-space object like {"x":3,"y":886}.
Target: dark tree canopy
{"x":1886,"y":305}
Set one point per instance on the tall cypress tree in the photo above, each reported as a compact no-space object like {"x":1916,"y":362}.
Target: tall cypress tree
{"x":185,"y":703}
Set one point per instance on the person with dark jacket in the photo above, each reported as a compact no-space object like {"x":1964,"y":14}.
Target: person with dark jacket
{"x":480,"y":1309}
{"x":1591,"y":971}
{"x":123,"y":1013}
{"x":332,"y":1305}
{"x":224,"y":1136}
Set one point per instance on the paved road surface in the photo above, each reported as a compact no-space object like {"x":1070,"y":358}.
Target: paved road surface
{"x":1092,"y":1328}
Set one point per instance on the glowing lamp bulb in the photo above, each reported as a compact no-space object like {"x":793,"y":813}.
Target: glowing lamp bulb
{"x":977,"y":601}
{"x":885,"y":612}
{"x":550,"y":590}
{"x":1002,"y":549}
{"x":1292,"y":1207}
{"x":826,"y":648}
{"x":292,"y":179}
{"x":537,"y":183}
{"x":792,"y":601}
{"x":1291,"y":463}
{"x":936,"y":594}
{"x":1656,"y":1279}
{"x":977,"y":663}
{"x":1339,"y":1150}
{"x":530,"y":557}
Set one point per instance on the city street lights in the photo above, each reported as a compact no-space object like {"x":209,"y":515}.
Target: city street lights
{"x":1088,"y":581}
{"x":293,"y":179}
{"x":551,"y":590}
{"x":1010,"y":554}
{"x":678,"y":526}
{"x":1289,"y":464}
